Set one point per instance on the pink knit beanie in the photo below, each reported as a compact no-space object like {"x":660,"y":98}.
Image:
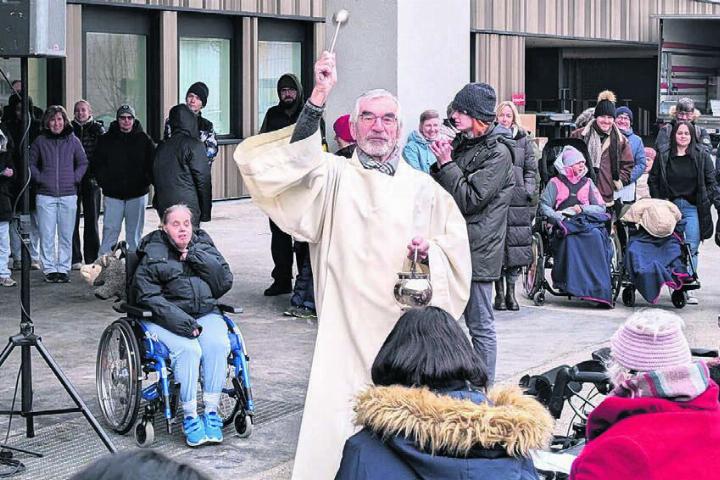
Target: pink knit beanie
{"x":651,"y":340}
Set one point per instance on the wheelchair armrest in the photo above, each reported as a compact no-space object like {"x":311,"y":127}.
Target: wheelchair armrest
{"x":133,"y":311}
{"x":704,"y":352}
{"x":229,"y":308}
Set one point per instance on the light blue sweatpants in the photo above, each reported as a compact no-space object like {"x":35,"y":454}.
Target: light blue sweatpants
{"x":211,"y":348}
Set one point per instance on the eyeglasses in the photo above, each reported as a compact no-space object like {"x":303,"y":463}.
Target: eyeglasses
{"x":369,"y":118}
{"x":623,"y":117}
{"x":125,"y":117}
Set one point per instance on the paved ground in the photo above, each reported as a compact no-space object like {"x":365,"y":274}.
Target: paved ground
{"x":70,"y":320}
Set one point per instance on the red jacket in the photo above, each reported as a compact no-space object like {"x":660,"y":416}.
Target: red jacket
{"x":652,"y":439}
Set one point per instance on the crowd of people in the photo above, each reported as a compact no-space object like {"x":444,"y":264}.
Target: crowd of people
{"x":74,"y":165}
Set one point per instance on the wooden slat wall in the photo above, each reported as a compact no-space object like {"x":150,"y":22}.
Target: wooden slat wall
{"x":74,"y":52}
{"x":296,"y":8}
{"x":168,"y":63}
{"x":618,"y":20}
{"x":226,"y":179}
{"x":500,"y":61}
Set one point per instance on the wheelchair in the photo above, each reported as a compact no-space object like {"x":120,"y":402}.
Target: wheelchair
{"x":133,"y":370}
{"x":535,"y":283}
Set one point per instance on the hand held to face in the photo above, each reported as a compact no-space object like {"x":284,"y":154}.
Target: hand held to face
{"x":442,"y":151}
{"x":325,"y":75}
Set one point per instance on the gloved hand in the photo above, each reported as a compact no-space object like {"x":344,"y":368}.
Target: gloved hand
{"x":618,"y":185}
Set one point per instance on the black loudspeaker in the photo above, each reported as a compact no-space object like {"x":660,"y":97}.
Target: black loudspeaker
{"x":32,"y":28}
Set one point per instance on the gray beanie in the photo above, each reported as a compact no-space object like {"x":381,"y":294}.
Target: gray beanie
{"x":124,"y":110}
{"x":685,"y":104}
{"x":476,"y":100}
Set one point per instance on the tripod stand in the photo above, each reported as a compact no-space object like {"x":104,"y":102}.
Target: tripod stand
{"x":27,"y":339}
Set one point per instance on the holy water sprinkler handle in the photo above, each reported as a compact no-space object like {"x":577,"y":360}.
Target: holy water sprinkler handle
{"x":413,"y":267}
{"x":340,"y":17}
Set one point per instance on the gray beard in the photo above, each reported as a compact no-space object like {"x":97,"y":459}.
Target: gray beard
{"x":377,"y":151}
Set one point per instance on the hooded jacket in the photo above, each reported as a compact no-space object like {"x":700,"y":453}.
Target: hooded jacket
{"x":179,"y":292}
{"x":662,"y":142}
{"x":181,"y":171}
{"x":417,"y":152}
{"x":653,"y":439}
{"x":123,"y":162}
{"x":57,"y":163}
{"x":206,"y":134}
{"x":480,"y":178}
{"x":281,"y":116}
{"x":518,"y":243}
{"x":707,"y":188}
{"x":556,"y":192}
{"x":604,"y":167}
{"x":414,"y":433}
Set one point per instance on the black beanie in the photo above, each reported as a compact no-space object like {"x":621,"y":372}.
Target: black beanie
{"x":199,"y":89}
{"x":604,"y":107}
{"x":476,"y":100}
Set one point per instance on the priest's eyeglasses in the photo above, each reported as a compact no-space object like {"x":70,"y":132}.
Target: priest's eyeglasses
{"x":369,"y":118}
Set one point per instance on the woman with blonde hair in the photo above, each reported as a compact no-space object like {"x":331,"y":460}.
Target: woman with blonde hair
{"x":520,"y":216}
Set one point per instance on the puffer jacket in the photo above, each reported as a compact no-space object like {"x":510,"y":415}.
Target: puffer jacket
{"x":179,"y":292}
{"x":206,"y":134}
{"x":57,"y":163}
{"x":708,"y":193}
{"x":415,"y":433}
{"x":89,"y":134}
{"x":480,"y":178}
{"x":518,"y":242}
{"x":417,"y":152}
{"x":181,"y":171}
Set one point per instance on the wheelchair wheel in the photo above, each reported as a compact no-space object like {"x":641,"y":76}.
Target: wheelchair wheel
{"x":144,"y":433}
{"x":678,"y":298}
{"x":534,"y":274}
{"x":118,"y":376}
{"x":229,"y":399}
{"x":628,"y":296}
{"x":243,"y":424}
{"x":616,"y":266}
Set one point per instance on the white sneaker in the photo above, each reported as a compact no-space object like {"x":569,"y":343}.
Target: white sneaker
{"x":690,"y":299}
{"x":7,"y":282}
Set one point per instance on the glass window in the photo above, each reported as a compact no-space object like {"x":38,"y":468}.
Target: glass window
{"x":37,"y":78}
{"x":275,"y":59}
{"x":115,"y":74}
{"x":208,"y":60}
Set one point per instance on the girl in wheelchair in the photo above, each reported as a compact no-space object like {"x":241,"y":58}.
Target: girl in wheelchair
{"x":570,"y":192}
{"x":179,"y":279}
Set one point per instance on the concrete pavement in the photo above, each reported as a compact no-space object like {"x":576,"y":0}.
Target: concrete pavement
{"x":70,"y":320}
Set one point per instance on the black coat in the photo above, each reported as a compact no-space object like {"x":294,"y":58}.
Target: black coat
{"x":480,"y":178}
{"x":89,"y":134}
{"x":707,"y":189}
{"x":7,"y":160}
{"x":518,"y":250}
{"x":15,"y":129}
{"x":181,"y":171}
{"x":179,"y":292}
{"x":123,"y":162}
{"x":280,"y":116}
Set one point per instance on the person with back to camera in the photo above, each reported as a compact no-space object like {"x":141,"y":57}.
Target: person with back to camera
{"x":662,"y":420}
{"x":138,"y":465}
{"x":180,"y":277}
{"x":428,"y":415}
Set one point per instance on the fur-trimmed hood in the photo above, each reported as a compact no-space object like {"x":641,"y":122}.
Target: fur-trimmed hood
{"x":438,"y":423}
{"x":673,"y":113}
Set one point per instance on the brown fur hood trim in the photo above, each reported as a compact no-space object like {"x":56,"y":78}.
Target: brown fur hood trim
{"x":515,"y":422}
{"x":673,"y":113}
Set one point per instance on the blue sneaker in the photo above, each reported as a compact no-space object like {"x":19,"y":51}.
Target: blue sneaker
{"x":213,"y":427}
{"x":194,"y":429}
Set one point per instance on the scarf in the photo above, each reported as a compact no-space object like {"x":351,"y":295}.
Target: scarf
{"x":595,"y":147}
{"x":681,"y":384}
{"x":388,"y":167}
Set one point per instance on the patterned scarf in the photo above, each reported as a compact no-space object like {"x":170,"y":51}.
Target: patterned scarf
{"x":595,"y":147}
{"x":681,"y":384}
{"x":388,"y":167}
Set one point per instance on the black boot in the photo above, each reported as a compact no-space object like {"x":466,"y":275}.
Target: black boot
{"x":499,"y":299}
{"x":510,"y":300}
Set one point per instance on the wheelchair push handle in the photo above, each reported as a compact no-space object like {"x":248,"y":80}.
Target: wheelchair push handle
{"x":582,"y":376}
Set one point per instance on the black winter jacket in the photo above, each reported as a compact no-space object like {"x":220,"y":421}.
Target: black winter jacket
{"x":518,"y":242}
{"x":707,"y":188}
{"x":123,"y":162}
{"x":179,"y":292}
{"x":280,"y":116}
{"x":181,"y":171}
{"x":89,"y":134}
{"x":7,"y":160}
{"x":481,"y":180}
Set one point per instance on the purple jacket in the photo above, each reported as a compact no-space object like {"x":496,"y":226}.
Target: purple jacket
{"x":57,"y":163}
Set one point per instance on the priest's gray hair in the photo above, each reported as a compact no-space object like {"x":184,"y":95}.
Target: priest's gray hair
{"x":372,"y":94}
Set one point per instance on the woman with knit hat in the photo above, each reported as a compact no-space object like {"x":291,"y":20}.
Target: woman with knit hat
{"x":610,"y":152}
{"x":662,"y":420}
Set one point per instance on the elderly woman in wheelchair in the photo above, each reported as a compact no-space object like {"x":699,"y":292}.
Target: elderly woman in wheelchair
{"x":179,"y":279}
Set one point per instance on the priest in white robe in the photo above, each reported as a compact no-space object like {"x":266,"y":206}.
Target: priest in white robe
{"x":362,"y":217}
